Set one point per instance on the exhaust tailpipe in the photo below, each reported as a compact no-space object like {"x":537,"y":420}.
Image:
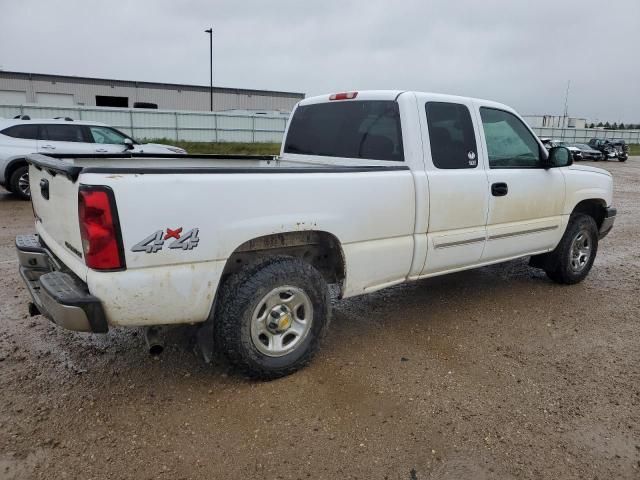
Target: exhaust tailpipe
{"x":155,"y":342}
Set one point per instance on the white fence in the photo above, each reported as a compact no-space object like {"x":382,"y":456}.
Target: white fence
{"x":229,"y":127}
{"x":583,"y":135}
{"x":173,"y":125}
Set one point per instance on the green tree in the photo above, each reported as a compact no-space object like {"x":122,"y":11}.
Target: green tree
{"x":600,"y":125}
{"x":607,"y":126}
{"x":591,"y":125}
{"x":621,"y":126}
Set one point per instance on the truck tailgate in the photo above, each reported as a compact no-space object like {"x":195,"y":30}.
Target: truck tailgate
{"x":55,"y":204}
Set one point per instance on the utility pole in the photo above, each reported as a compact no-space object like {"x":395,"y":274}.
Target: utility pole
{"x":210,"y":32}
{"x":566,"y":108}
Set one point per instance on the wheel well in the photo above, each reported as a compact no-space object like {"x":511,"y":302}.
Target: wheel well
{"x":320,"y":249}
{"x":12,"y":167}
{"x":595,"y":208}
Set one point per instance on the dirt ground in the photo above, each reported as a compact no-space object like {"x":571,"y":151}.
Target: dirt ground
{"x":492,"y":373}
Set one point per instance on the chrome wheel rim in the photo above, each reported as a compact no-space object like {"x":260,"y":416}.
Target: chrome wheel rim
{"x":281,"y":321}
{"x":23,"y":184}
{"x":580,"y":251}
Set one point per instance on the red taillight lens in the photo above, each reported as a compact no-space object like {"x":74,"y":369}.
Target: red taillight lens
{"x":100,"y":229}
{"x":344,"y":96}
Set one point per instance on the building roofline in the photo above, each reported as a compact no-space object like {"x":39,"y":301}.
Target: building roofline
{"x":145,"y":84}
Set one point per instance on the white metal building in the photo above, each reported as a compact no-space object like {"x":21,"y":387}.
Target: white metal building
{"x":17,"y":88}
{"x":554,"y":121}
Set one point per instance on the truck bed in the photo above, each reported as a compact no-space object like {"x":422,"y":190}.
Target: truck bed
{"x":140,"y":163}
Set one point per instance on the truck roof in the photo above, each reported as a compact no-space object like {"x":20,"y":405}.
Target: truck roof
{"x":394,"y":94}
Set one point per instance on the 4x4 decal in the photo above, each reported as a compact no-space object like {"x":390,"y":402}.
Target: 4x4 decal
{"x":155,"y":242}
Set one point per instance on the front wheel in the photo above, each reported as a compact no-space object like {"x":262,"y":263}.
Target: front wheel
{"x":271,"y":316}
{"x":19,"y":183}
{"x":573,"y":258}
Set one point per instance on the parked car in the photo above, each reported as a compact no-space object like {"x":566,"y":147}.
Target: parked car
{"x":371,"y":189}
{"x":621,"y":148}
{"x":611,"y":148}
{"x":576,"y":153}
{"x":546,"y":142}
{"x":21,"y":136}
{"x":589,"y":153}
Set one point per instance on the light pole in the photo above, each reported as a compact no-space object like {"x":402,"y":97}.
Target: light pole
{"x":210,"y":32}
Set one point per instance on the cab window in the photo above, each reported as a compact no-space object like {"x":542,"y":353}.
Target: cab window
{"x":352,"y":129}
{"x":451,"y":134}
{"x":510,"y":144}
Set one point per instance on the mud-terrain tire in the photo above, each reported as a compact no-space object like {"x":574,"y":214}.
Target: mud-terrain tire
{"x":271,"y":289}
{"x":573,"y":258}
{"x":16,"y":183}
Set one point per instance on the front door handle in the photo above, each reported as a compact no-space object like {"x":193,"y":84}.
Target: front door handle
{"x":102,"y":150}
{"x":49,"y":147}
{"x":499,"y":189}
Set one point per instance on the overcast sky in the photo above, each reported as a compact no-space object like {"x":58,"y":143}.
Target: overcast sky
{"x":517,"y":52}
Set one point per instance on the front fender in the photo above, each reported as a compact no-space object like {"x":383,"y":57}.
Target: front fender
{"x":583,"y":184}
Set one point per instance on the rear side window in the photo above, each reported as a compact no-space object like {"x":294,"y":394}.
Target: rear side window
{"x":360,"y":129}
{"x":63,"y":133}
{"x":451,"y":134}
{"x":28,"y":132}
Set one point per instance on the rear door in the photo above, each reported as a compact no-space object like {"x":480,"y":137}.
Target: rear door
{"x":525,"y":200}
{"x":64,"y":138}
{"x":458,"y":201}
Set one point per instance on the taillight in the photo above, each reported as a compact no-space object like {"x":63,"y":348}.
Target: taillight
{"x":343,"y":96}
{"x":100,"y":228}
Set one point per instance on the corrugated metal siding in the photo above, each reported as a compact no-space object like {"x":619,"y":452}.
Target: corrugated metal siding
{"x":167,"y":96}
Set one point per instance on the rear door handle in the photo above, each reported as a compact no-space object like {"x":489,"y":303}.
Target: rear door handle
{"x":101,"y":150}
{"x":49,"y":147}
{"x":499,"y":189}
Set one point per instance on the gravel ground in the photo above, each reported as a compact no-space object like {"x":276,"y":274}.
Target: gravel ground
{"x":492,"y":373}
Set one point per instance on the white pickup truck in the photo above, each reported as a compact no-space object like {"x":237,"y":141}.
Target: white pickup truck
{"x":371,"y":189}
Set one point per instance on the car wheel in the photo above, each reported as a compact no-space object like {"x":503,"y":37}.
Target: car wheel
{"x":270,"y":317}
{"x":573,"y":258}
{"x":622,"y":159}
{"x":19,"y":183}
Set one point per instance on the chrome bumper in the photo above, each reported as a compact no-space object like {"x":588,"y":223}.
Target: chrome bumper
{"x":607,"y":223}
{"x":59,"y":296}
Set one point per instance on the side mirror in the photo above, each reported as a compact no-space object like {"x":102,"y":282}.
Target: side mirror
{"x":128,"y":144}
{"x":558,"y":157}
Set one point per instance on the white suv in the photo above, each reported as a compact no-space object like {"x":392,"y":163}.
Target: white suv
{"x":20,"y":137}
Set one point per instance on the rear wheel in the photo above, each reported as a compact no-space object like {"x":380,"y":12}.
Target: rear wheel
{"x":19,"y":183}
{"x":271,"y":316}
{"x":573,"y":258}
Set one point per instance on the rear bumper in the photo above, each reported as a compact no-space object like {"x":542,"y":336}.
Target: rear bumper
{"x":58,"y":295}
{"x":607,"y":223}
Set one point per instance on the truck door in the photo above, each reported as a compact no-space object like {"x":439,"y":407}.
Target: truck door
{"x":458,"y":201}
{"x":525,"y":200}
